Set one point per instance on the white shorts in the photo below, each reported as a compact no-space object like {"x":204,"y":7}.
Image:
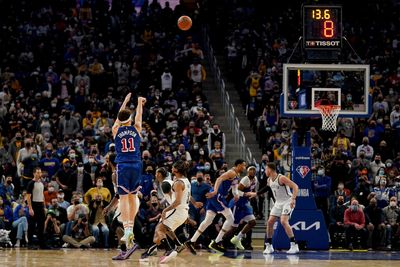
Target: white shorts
{"x":281,"y":208}
{"x":175,"y":218}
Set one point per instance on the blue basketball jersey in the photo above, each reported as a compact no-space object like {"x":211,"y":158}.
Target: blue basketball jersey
{"x":127,"y":144}
{"x":223,"y":189}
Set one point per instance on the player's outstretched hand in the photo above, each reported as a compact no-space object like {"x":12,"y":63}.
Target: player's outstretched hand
{"x":142,"y":100}
{"x":128,"y":97}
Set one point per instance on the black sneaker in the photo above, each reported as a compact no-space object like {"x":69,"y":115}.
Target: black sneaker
{"x":217,"y":247}
{"x":190,"y":246}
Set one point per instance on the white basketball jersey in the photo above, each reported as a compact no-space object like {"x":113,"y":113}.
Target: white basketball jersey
{"x":186,"y":194}
{"x":282,"y":193}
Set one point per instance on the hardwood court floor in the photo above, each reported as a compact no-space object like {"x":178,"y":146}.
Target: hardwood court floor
{"x":97,"y":257}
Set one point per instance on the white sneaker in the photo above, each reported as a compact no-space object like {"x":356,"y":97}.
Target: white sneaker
{"x":170,"y":255}
{"x":294,"y":249}
{"x":17,"y":244}
{"x":65,"y":245}
{"x":268,"y":249}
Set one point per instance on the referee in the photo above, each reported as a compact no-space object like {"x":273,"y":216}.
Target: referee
{"x":36,"y":206}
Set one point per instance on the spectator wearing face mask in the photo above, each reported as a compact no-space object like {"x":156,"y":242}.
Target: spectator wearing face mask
{"x":7,"y":190}
{"x":366,"y":148}
{"x":152,"y":214}
{"x":147,"y":182}
{"x":395,"y":115}
{"x":49,"y":163}
{"x":376,"y":165}
{"x":66,"y":178}
{"x":382,"y":193}
{"x":354,"y":221}
{"x":322,"y":189}
{"x":217,"y":155}
{"x":61,"y":202}
{"x":216,"y":135}
{"x":68,"y":125}
{"x":49,"y":194}
{"x":396,"y":187}
{"x":98,"y":190}
{"x":363,"y":187}
{"x":391,"y":216}
{"x":336,"y":225}
{"x":97,"y":219}
{"x":199,"y":190}
{"x":29,"y":163}
{"x":375,"y":225}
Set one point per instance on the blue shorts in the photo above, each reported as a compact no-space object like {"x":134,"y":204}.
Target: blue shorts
{"x":217,"y":204}
{"x":129,"y":177}
{"x":240,"y":212}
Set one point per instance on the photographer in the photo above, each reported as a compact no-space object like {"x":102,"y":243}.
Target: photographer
{"x":80,"y":236}
{"x":52,"y":230}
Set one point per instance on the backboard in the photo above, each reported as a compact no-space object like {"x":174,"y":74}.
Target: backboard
{"x":306,"y":86}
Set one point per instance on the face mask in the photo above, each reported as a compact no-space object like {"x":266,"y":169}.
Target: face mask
{"x":362,"y":156}
{"x":377,"y":161}
{"x":34,"y":156}
{"x":66,"y":103}
{"x":195,"y":147}
{"x":48,"y":153}
{"x":80,"y":169}
{"x":201,"y":152}
{"x":28,"y":145}
{"x":112,"y":149}
{"x":354,"y":208}
{"x":53,"y":105}
{"x":349,"y":99}
{"x":383,"y":182}
{"x":321,"y":172}
{"x":99,"y":184}
{"x":72,"y":156}
{"x":146,"y":157}
{"x":76,"y":201}
{"x":389,"y":165}
{"x":393,"y":204}
{"x":154,"y":204}
{"x":91,"y":160}
{"x":60,"y":196}
{"x":46,"y":116}
{"x":10,"y":182}
{"x":207,"y":167}
{"x":80,"y":200}
{"x":340,"y":187}
{"x":200,"y":179}
{"x":67,"y":165}
{"x":340,"y":202}
{"x":215,"y":130}
{"x":372,"y":204}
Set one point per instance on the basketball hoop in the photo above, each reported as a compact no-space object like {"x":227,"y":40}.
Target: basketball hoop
{"x":329,"y":114}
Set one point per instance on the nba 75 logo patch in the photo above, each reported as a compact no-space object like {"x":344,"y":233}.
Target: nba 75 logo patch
{"x":303,"y":171}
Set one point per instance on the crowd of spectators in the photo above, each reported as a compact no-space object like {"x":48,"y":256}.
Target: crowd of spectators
{"x":362,"y":158}
{"x":66,"y":66}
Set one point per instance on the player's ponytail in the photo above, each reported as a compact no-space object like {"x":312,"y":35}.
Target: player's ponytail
{"x":182,"y":167}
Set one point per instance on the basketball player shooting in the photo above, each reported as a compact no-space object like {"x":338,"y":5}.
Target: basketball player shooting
{"x":129,"y":165}
{"x":285,"y":201}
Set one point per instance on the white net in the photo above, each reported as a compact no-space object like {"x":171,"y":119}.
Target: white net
{"x":329,"y":114}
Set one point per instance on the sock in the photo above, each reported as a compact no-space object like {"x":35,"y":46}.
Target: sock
{"x":220,"y":236}
{"x":292,"y":240}
{"x":195,"y":236}
{"x":166,"y":244}
{"x":151,"y":249}
{"x":269,"y":241}
{"x":240,"y":235}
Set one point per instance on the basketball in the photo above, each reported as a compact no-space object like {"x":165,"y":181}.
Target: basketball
{"x":184,"y":23}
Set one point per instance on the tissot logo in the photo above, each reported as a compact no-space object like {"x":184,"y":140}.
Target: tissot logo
{"x":322,"y":43}
{"x":302,"y":226}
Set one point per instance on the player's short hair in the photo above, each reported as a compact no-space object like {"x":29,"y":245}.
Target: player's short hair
{"x":124,"y":114}
{"x":271,"y":165}
{"x":162,"y":171}
{"x":181,"y":166}
{"x":239,"y":161}
{"x":166,"y":187}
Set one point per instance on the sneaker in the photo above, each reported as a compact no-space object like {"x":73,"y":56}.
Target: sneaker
{"x":389,"y":247}
{"x":217,"y":247}
{"x":145,"y":255}
{"x":190,"y":246}
{"x":294,"y":249}
{"x":269,"y":249}
{"x":237,"y":242}
{"x":17,"y":244}
{"x":65,"y":245}
{"x":121,"y":256}
{"x":124,"y":255}
{"x":170,"y":255}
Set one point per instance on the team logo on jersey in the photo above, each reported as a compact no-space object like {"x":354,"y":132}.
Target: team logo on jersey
{"x":303,"y":171}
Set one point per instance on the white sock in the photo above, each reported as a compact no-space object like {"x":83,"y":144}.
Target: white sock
{"x":195,"y":237}
{"x":240,"y":235}
{"x":220,"y":236}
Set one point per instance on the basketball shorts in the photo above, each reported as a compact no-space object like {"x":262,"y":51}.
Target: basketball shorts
{"x":242,"y":213}
{"x":129,"y":177}
{"x":217,"y":204}
{"x":281,"y":208}
{"x":175,"y":218}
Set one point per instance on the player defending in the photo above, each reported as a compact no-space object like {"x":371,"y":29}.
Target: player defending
{"x":127,"y":141}
{"x":217,"y":203}
{"x":283,"y":207}
{"x":174,"y":215}
{"x":242,"y":209}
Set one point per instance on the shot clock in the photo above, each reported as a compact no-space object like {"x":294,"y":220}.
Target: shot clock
{"x":322,"y":27}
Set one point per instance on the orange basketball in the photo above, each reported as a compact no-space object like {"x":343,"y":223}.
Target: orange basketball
{"x":184,"y":23}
